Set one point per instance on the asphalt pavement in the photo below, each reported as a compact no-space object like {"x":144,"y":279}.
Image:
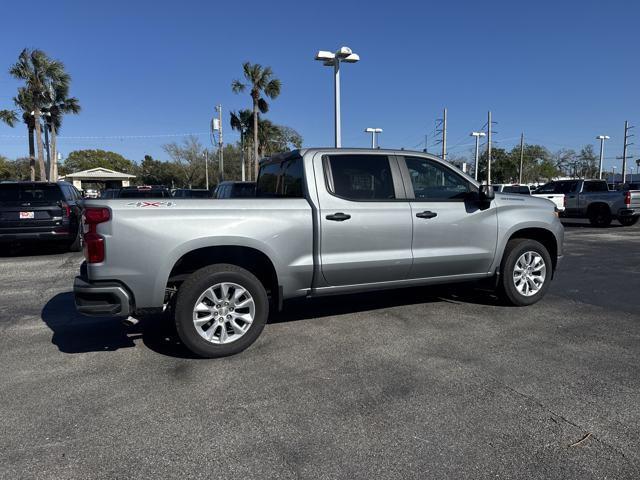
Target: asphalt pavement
{"x":417,"y":383}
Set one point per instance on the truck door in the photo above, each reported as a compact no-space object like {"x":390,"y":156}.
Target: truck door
{"x":365,"y":221}
{"x":452,"y":233}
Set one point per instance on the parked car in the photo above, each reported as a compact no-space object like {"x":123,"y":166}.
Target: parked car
{"x":144,"y":191}
{"x":557,"y":198}
{"x":325,"y":222}
{"x":592,"y":199}
{"x":91,"y":193}
{"x":235,"y":190}
{"x":110,"y":193}
{"x":41,"y":211}
{"x":192,"y":193}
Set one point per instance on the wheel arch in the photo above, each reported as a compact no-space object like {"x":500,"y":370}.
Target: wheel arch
{"x":542,"y":235}
{"x":249,"y":258}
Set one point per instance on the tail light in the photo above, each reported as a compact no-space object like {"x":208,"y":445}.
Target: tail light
{"x":93,"y":241}
{"x":67,"y":209}
{"x":627,"y":199}
{"x":564,"y":201}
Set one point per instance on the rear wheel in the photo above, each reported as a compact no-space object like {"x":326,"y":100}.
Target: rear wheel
{"x":600,"y":216}
{"x":525,"y":272}
{"x":628,"y":221}
{"x":220,"y":310}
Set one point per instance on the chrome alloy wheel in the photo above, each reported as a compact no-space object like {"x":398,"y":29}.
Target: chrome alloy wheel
{"x":223,"y":313}
{"x":529,"y":273}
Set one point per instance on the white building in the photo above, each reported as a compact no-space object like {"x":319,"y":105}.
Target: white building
{"x":109,"y":178}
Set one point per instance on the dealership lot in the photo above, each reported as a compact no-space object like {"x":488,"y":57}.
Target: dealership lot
{"x":416,"y":383}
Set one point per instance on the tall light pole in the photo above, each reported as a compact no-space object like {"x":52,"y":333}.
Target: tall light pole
{"x":206,"y":168}
{"x":477,"y":135}
{"x":489,"y":148}
{"x":602,"y":138}
{"x":344,"y":54}
{"x":373,"y":132}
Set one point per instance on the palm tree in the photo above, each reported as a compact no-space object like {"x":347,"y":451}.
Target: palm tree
{"x":260,"y":80}
{"x":59,"y":103}
{"x":242,"y":122}
{"x":23,"y":102}
{"x":38,"y":72}
{"x":9,"y":117}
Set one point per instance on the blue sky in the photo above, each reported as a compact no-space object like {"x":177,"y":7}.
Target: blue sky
{"x":562,"y":72}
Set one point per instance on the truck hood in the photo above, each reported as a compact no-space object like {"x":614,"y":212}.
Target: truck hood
{"x":525,"y":201}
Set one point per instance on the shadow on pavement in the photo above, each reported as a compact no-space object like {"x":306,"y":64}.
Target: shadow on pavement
{"x":585,"y":224}
{"x":76,"y":333}
{"x":303,"y":309}
{"x":32,"y":249}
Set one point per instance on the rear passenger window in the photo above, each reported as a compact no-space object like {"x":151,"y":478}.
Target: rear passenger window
{"x":360,"y":177}
{"x":432,"y":181}
{"x":281,"y":179}
{"x":596,"y":187}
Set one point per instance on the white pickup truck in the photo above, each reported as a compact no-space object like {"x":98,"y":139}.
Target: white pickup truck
{"x":557,"y":198}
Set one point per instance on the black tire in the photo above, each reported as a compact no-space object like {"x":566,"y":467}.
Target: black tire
{"x":507,"y":288}
{"x":188,"y":295}
{"x":76,"y":244}
{"x":628,"y":221}
{"x":600,"y":216}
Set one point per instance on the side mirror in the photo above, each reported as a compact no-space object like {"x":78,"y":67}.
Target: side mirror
{"x":486,"y":193}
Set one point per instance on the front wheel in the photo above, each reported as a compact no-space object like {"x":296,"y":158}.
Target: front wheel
{"x":220,"y":310}
{"x":525,"y":272}
{"x":628,"y":221}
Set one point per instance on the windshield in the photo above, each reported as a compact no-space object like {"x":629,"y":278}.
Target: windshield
{"x":29,"y":193}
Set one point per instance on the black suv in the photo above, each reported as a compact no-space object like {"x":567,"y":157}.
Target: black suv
{"x":41,"y":211}
{"x":192,"y":193}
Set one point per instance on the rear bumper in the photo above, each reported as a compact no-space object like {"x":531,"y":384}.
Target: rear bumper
{"x":52,"y":234}
{"x":628,"y":212}
{"x":102,"y":298}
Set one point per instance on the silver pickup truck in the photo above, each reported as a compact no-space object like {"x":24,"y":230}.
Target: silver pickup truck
{"x":324,"y":222}
{"x":592,"y":199}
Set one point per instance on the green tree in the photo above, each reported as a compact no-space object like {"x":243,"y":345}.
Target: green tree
{"x":38,"y":72}
{"x":588,"y":162}
{"x":6,"y":169}
{"x":259,"y":80}
{"x":79,"y":160}
{"x":9,"y":117}
{"x":242,"y":121}
{"x":58,"y":104}
{"x":189,"y":158}
{"x":156,"y":172}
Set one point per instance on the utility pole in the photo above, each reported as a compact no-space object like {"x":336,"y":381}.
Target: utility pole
{"x":220,"y":143}
{"x":489,"y":148}
{"x":624,"y":150}
{"x":521,"y":156}
{"x":426,"y":143}
{"x":441,"y":129}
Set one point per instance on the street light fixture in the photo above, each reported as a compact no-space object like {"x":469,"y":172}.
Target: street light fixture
{"x":328,"y":59}
{"x":373,"y":132}
{"x":602,"y":138}
{"x":477,"y":135}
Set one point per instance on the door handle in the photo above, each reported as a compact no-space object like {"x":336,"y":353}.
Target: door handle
{"x":426,"y":214}
{"x":338,"y":217}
